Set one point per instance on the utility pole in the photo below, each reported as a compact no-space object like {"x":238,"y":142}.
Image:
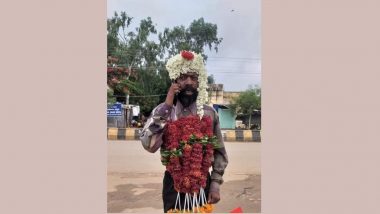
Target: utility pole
{"x":127,"y":109}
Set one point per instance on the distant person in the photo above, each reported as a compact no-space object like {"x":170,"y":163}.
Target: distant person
{"x":185,"y":105}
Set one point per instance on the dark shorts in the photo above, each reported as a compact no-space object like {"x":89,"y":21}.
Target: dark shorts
{"x":169,"y":195}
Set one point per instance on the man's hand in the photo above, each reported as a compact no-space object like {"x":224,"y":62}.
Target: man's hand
{"x":213,"y":197}
{"x":174,"y":88}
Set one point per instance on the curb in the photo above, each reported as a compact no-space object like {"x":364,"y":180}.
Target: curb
{"x":123,"y":134}
{"x":228,"y":135}
{"x":242,"y":135}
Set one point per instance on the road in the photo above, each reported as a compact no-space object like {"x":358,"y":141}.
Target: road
{"x":135,"y":178}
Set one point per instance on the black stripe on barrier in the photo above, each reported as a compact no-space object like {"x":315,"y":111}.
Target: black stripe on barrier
{"x":256,"y":136}
{"x":137,"y":134}
{"x":121,"y":134}
{"x":239,"y":135}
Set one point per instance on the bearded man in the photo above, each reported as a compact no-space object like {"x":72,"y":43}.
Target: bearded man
{"x":186,"y":97}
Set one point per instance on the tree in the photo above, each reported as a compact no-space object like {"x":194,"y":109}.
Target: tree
{"x":110,"y":98}
{"x":113,"y":31}
{"x":118,"y":71}
{"x":196,"y":37}
{"x":135,"y":56}
{"x":247,"y":102}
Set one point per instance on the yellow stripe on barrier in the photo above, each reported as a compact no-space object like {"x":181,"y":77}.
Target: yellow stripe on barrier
{"x":247,"y":135}
{"x":130,"y":134}
{"x":230,"y":135}
{"x":112,"y":133}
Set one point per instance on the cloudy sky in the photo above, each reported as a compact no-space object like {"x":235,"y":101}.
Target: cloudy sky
{"x":237,"y":64}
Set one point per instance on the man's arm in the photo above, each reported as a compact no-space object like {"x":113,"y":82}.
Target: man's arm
{"x":151,"y":135}
{"x":219,"y":165}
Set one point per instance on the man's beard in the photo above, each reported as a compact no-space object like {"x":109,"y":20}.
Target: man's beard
{"x":186,"y":100}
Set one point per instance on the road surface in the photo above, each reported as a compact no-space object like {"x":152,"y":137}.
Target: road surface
{"x":135,"y":178}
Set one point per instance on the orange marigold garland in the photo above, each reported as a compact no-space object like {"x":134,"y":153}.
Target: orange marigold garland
{"x":187,"y":153}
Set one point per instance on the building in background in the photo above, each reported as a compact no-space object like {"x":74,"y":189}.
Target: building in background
{"x":220,"y":103}
{"x":220,"y":100}
{"x":226,"y":116}
{"x":229,"y":95}
{"x":216,"y":93}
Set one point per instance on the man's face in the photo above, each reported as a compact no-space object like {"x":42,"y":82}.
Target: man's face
{"x":188,"y":81}
{"x":188,"y":84}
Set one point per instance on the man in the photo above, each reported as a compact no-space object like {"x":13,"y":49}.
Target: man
{"x":186,"y":96}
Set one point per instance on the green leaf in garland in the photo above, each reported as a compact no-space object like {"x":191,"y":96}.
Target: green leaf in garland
{"x":216,"y":145}
{"x":164,"y":162}
{"x":165,"y":153}
{"x":181,"y":145}
{"x":204,"y":141}
{"x":192,"y":138}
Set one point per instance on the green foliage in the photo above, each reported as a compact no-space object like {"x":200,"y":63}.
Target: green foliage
{"x":194,"y":38}
{"x":113,"y":31}
{"x":110,"y":98}
{"x":130,"y":86}
{"x":247,"y":101}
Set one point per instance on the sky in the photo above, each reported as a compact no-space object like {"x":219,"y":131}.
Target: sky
{"x":237,"y":64}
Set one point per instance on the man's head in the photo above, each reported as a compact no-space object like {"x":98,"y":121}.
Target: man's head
{"x":188,"y":70}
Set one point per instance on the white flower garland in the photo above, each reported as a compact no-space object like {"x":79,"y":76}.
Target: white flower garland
{"x":178,"y":65}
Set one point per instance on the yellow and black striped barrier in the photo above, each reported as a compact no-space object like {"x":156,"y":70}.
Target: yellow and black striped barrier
{"x":123,"y":134}
{"x":228,"y":135}
{"x":242,"y":135}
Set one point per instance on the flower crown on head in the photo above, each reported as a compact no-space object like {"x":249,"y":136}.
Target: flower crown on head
{"x":188,"y":61}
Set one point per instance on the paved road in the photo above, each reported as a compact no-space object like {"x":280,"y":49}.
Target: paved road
{"x":135,"y":178}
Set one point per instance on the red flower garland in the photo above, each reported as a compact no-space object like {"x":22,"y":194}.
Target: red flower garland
{"x":188,"y":152}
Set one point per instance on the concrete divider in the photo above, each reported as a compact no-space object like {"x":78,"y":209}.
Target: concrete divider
{"x":242,"y":135}
{"x":228,"y":135}
{"x":123,"y":133}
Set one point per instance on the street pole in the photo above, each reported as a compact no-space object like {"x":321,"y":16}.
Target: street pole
{"x":127,"y":109}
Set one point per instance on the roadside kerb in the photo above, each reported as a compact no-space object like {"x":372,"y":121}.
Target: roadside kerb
{"x":228,"y":135}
